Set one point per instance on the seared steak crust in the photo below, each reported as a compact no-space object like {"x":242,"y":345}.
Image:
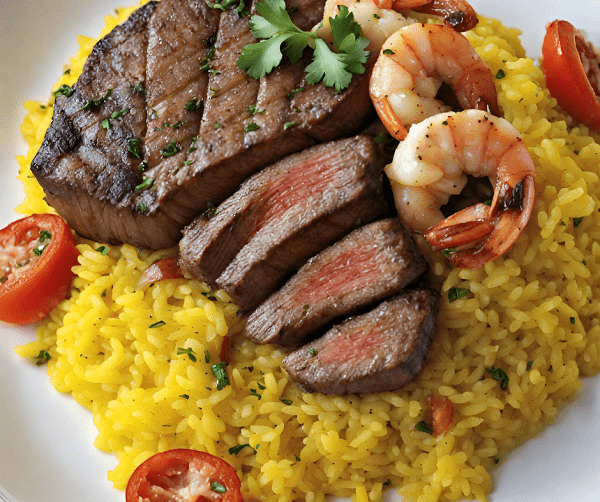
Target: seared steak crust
{"x":374,"y":352}
{"x":282,"y":216}
{"x":188,"y":125}
{"x":372,"y":263}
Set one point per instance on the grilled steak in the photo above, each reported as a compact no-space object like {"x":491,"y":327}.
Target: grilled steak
{"x":370,"y":264}
{"x":282,"y":216}
{"x":150,"y":137}
{"x":374,"y":352}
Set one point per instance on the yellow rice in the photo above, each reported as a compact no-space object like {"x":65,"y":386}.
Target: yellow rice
{"x":532,"y":312}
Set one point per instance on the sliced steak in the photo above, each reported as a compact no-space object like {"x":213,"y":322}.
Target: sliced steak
{"x":180,"y":140}
{"x":282,"y":216}
{"x":379,"y":351}
{"x":372,"y":263}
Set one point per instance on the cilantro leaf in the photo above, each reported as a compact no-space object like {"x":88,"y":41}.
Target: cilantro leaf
{"x":334,"y":67}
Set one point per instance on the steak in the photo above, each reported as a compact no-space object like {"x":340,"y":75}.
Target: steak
{"x":379,"y":351}
{"x":162,"y":124}
{"x":372,"y":263}
{"x":284,"y":215}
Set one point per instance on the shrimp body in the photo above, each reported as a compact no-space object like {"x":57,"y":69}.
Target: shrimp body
{"x":412,"y":65}
{"x":432,"y":164}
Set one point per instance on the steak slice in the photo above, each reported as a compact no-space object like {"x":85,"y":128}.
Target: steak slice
{"x":180,"y":140}
{"x":379,"y":351}
{"x":372,"y":263}
{"x":282,"y":216}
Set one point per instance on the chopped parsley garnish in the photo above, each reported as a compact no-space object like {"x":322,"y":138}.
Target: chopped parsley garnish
{"x":193,"y":145}
{"x":103,"y":250}
{"x":184,"y":396}
{"x":38,"y":250}
{"x":218,"y":370}
{"x":45,"y":235}
{"x":500,"y":74}
{"x":134,"y":148}
{"x":251,"y":127}
{"x":423,"y":427}
{"x":106,"y":124}
{"x":388,"y":51}
{"x":255,"y":393}
{"x":43,"y":355}
{"x":253,"y":110}
{"x":217,"y":487}
{"x":147,"y":183}
{"x":207,"y":356}
{"x":287,"y":125}
{"x":142,"y":167}
{"x":312,"y":352}
{"x":158,"y":324}
{"x":188,"y":352}
{"x":234,"y":450}
{"x":333,"y":67}
{"x":529,"y":365}
{"x":119,"y":113}
{"x":456,"y":293}
{"x":291,"y":95}
{"x":138,"y":88}
{"x":577,"y":222}
{"x":289,"y":402}
{"x":499,"y":375}
{"x":193,"y":105}
{"x":241,"y":10}
{"x":170,"y":149}
{"x":143,"y":207}
{"x":64,"y":89}
{"x":90,"y":103}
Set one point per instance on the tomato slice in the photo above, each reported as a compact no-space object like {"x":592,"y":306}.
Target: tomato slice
{"x":183,"y":475}
{"x":569,"y":63}
{"x":443,"y":413}
{"x":36,"y":257}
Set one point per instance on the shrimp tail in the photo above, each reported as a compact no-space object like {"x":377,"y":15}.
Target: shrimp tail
{"x":456,"y":13}
{"x":388,"y":116}
{"x":464,"y":228}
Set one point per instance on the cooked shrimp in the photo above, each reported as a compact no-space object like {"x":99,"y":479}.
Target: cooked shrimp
{"x":411,"y":67}
{"x":381,"y":18}
{"x":432,"y":164}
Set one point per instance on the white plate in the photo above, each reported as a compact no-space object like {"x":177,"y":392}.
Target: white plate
{"x":46,"y":450}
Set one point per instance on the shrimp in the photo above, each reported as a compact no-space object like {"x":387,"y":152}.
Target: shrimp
{"x":432,"y":164}
{"x":379,"y":19}
{"x":410,"y":70}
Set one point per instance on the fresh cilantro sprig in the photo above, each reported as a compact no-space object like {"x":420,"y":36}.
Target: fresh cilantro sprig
{"x":333,"y":67}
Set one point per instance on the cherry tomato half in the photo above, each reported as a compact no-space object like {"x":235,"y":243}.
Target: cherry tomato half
{"x":36,"y":257}
{"x":185,"y":476}
{"x":566,"y":77}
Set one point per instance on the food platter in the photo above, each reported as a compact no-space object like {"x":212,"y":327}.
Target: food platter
{"x":46,"y":439}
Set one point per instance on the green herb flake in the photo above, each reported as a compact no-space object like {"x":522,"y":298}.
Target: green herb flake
{"x":106,"y":124}
{"x":43,"y":355}
{"x":456,"y":293}
{"x":423,"y":427}
{"x":134,"y":148}
{"x":217,"y":487}
{"x":288,"y":402}
{"x":234,"y":450}
{"x":3,"y":280}
{"x":388,"y":51}
{"x":65,"y":90}
{"x":251,"y":127}
{"x":376,"y":16}
{"x":499,"y":375}
{"x":158,"y":324}
{"x":447,"y":252}
{"x":142,"y":207}
{"x":529,"y":365}
{"x":255,"y":394}
{"x":577,"y":222}
{"x":495,"y":459}
{"x":572,"y":320}
{"x":218,"y":370}
{"x":387,"y":482}
{"x":188,"y":352}
{"x":313,"y":352}
{"x":291,"y":95}
{"x":487,"y":202}
{"x":500,"y":74}
{"x":187,"y":162}
{"x":184,"y":396}
{"x":193,"y":145}
{"x":193,"y":105}
{"x":142,"y":167}
{"x":147,"y":183}
{"x":287,"y":125}
{"x":206,"y":356}
{"x":38,"y":250}
{"x":170,"y":150}
{"x":138,"y":88}
{"x":91,"y":103}
{"x":103,"y":250}
{"x":254,"y":110}
{"x":44,"y":236}
{"x":119,"y":113}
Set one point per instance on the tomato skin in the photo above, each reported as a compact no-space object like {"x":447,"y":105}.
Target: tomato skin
{"x":566,"y":78}
{"x":31,"y":296}
{"x":443,"y":413}
{"x":163,"y":469}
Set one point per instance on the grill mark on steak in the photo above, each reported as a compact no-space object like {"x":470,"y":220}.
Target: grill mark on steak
{"x":379,"y":351}
{"x":256,"y":240}
{"x":370,"y":264}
